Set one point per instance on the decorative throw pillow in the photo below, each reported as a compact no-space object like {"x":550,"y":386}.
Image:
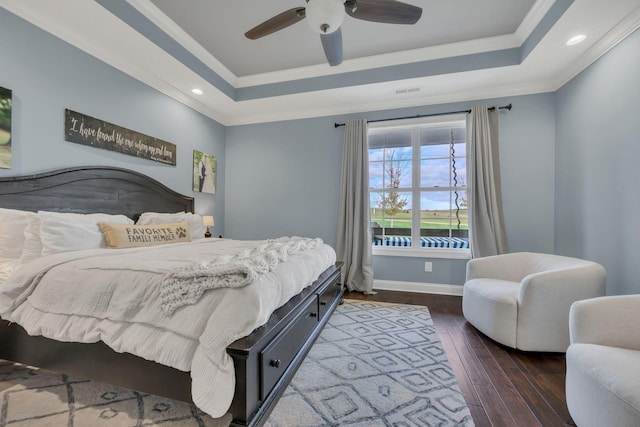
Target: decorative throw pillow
{"x":130,"y":236}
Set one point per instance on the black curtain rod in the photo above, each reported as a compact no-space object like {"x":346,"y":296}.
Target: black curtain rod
{"x":505,"y":107}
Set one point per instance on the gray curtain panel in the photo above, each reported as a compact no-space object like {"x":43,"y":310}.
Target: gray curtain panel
{"x":354,"y":231}
{"x":486,"y":224}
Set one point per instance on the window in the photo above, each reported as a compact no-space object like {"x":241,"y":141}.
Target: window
{"x":417,"y":185}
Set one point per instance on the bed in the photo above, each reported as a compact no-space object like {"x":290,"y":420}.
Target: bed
{"x":263,"y":362}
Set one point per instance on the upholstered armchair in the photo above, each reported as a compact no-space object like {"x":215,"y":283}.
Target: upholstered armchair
{"x":522,"y":300}
{"x":603,"y":362}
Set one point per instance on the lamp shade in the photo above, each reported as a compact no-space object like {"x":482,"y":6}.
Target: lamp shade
{"x":208,"y":220}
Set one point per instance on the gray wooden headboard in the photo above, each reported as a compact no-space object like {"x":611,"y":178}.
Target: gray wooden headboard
{"x":91,"y":189}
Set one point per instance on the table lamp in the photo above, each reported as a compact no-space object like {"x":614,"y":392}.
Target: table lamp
{"x":208,"y":222}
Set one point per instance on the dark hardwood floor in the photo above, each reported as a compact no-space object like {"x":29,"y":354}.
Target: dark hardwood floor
{"x":502,"y":387}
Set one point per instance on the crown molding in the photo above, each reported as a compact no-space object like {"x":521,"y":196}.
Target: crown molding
{"x":217,"y":106}
{"x":162,"y":21}
{"x":621,"y":31}
{"x":173,"y":30}
{"x":277,"y":114}
{"x":449,"y":50}
{"x":532,"y":19}
{"x":73,"y":35}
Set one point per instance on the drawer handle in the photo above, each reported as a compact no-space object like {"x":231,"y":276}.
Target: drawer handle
{"x":275,"y":363}
{"x":313,"y":314}
{"x":323,"y":303}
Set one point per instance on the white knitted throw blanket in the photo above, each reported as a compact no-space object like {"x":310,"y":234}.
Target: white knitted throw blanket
{"x":186,"y":285}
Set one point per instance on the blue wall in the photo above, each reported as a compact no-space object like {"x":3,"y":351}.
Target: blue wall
{"x":283,"y":178}
{"x":597,"y":152}
{"x":48,"y":75}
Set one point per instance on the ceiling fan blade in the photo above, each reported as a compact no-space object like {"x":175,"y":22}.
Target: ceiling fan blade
{"x":386,"y":11}
{"x":332,"y":45}
{"x":278,"y":22}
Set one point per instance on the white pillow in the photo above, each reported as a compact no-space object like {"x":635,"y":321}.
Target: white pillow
{"x":64,"y":232}
{"x":159,"y":216}
{"x":12,"y":226}
{"x":32,"y":243}
{"x":195,"y":221}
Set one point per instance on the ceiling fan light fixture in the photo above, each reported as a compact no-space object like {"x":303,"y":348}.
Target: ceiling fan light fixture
{"x":325,"y":16}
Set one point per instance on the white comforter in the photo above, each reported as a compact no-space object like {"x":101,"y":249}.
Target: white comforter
{"x":113,"y":295}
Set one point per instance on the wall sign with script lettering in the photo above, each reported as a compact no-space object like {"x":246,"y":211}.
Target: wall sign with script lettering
{"x":87,"y":130}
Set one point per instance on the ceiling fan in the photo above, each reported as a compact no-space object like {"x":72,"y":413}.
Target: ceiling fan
{"x":325,"y":18}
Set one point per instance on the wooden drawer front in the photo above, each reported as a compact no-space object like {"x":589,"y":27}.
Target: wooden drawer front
{"x":326,"y":298}
{"x":276,"y":357}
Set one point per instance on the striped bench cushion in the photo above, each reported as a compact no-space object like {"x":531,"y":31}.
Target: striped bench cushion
{"x":425,"y":242}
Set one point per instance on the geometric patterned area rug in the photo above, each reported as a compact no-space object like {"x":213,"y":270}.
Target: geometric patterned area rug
{"x":375,"y":364}
{"x":37,"y":398}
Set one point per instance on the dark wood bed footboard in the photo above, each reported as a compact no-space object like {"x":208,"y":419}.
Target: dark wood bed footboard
{"x":266,"y":361}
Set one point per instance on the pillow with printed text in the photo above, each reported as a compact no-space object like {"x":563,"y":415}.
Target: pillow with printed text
{"x":120,"y":236}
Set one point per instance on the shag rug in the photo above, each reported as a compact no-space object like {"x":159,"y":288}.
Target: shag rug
{"x":375,"y":364}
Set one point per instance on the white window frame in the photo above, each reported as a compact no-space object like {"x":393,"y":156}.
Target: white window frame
{"x":415,"y":124}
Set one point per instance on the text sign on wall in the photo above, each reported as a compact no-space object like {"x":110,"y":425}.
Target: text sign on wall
{"x":87,"y":130}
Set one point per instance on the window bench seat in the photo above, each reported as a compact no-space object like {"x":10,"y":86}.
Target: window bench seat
{"x":425,"y":242}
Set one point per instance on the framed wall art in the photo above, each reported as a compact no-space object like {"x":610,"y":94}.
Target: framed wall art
{"x":5,"y":128}
{"x":204,"y":172}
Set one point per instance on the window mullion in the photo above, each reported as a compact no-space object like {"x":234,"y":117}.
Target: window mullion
{"x":415,"y":183}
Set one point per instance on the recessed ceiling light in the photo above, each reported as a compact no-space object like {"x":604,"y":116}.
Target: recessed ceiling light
{"x":197,"y":91}
{"x":576,"y":39}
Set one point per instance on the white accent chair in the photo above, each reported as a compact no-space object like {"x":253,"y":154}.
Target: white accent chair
{"x":603,"y":362}
{"x":522,"y":300}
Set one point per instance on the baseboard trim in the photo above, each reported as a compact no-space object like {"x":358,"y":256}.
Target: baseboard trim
{"x":424,"y":288}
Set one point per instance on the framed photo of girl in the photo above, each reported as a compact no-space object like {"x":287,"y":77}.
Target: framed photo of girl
{"x":204,"y":172}
{"x":5,"y":128}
